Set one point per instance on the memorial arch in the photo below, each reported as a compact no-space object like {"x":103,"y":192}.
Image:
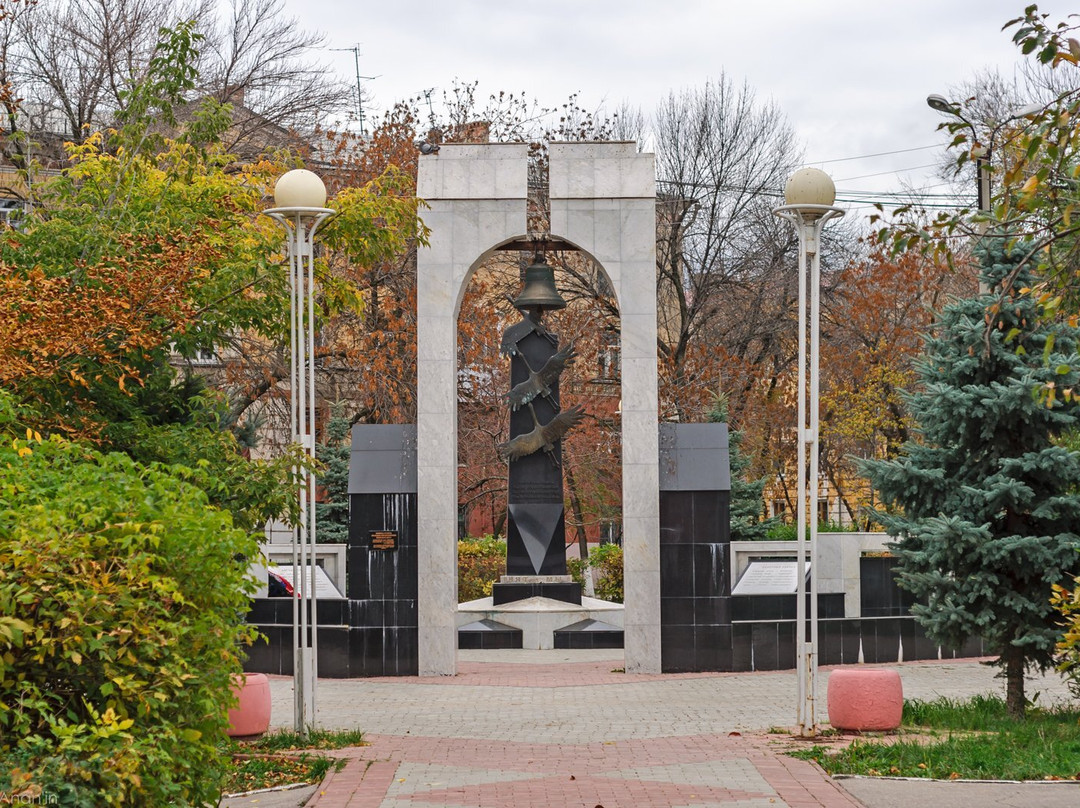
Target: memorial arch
{"x":602,"y":202}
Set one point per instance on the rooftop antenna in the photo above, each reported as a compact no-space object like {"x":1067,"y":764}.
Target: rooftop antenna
{"x":355,"y":50}
{"x":431,"y":111}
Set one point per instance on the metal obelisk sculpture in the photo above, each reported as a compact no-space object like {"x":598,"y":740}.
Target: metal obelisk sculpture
{"x":535,"y":536}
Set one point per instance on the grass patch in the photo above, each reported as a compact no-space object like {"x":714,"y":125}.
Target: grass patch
{"x":283,"y":758}
{"x":973,"y":739}
{"x":251,"y":774}
{"x":288,"y":741}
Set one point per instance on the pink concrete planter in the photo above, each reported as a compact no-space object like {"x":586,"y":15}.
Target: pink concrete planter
{"x":252,"y":715}
{"x":865,"y":699}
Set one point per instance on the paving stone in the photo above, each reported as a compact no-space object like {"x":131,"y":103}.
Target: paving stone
{"x":536,"y":729}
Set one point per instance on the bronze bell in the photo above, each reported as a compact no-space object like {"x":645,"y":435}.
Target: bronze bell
{"x":539,"y":290}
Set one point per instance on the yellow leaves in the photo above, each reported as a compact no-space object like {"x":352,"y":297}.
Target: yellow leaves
{"x":1028,"y":189}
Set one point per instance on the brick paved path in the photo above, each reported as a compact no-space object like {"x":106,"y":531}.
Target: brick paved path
{"x":562,"y":729}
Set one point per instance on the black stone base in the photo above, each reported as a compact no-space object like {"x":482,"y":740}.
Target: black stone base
{"x":508,"y":593}
{"x":589,"y":634}
{"x":485,"y":634}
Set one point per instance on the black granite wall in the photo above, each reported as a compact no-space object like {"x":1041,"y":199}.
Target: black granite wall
{"x":695,"y":589}
{"x":373,"y":630}
{"x":879,"y":596}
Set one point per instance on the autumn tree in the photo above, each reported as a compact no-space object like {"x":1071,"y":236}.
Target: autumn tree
{"x":73,"y":65}
{"x":873,"y":322}
{"x":155,"y":249}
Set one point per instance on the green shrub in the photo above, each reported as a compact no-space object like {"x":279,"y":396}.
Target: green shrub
{"x":1067,"y":662}
{"x":123,"y":600}
{"x":607,"y":559}
{"x":789,"y":531}
{"x":480,"y":564}
{"x":575,"y":567}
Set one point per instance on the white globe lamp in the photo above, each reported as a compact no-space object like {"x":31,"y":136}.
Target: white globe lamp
{"x":810,"y":186}
{"x":299,"y":188}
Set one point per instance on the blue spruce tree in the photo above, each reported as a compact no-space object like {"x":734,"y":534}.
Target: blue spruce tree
{"x":984,"y":507}
{"x":332,"y":513}
{"x":747,"y":500}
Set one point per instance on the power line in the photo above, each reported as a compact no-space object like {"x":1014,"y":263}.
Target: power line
{"x":880,"y":154}
{"x":886,"y":173}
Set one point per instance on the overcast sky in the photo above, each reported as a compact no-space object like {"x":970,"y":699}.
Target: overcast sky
{"x":852,"y":76}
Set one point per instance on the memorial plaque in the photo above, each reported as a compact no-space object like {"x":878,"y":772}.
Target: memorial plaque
{"x":324,"y":587}
{"x":384,"y":539}
{"x":769,"y":578}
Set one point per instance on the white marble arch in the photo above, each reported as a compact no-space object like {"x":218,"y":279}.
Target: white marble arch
{"x":603,"y":202}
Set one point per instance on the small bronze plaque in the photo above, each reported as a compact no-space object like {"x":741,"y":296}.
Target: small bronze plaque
{"x":384,"y":540}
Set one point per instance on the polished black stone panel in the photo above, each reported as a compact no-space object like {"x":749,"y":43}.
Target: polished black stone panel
{"x":676,"y":570}
{"x":568,"y":592}
{"x":783,"y":607}
{"x":712,"y":611}
{"x":334,"y":658}
{"x":710,"y":569}
{"x":830,"y":643}
{"x":695,"y":602}
{"x":382,"y":574}
{"x":879,"y":595}
{"x":677,"y":518}
{"x":677,"y":611}
{"x":712,"y":647}
{"x":332,"y":612}
{"x":850,"y":641}
{"x":589,"y":634}
{"x":678,"y":651}
{"x":484,"y":634}
{"x":764,"y":644}
{"x":916,"y":644}
{"x":974,"y":647}
{"x":742,"y":658}
{"x":269,"y":652}
{"x":830,"y":605}
{"x":887,"y":633}
{"x":264,"y":610}
{"x":770,"y":644}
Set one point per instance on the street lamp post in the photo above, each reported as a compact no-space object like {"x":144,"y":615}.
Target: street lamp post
{"x":300,"y":196}
{"x":809,"y":197}
{"x":982,"y":154}
{"x":978,"y":151}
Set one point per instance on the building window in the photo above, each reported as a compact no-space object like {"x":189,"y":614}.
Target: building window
{"x":205,"y":356}
{"x":11,"y":210}
{"x":608,"y":359}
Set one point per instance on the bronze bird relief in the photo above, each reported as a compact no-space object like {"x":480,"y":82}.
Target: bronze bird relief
{"x":539,"y":382}
{"x":542,"y":436}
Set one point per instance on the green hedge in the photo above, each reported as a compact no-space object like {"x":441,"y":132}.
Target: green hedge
{"x":122,"y":600}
